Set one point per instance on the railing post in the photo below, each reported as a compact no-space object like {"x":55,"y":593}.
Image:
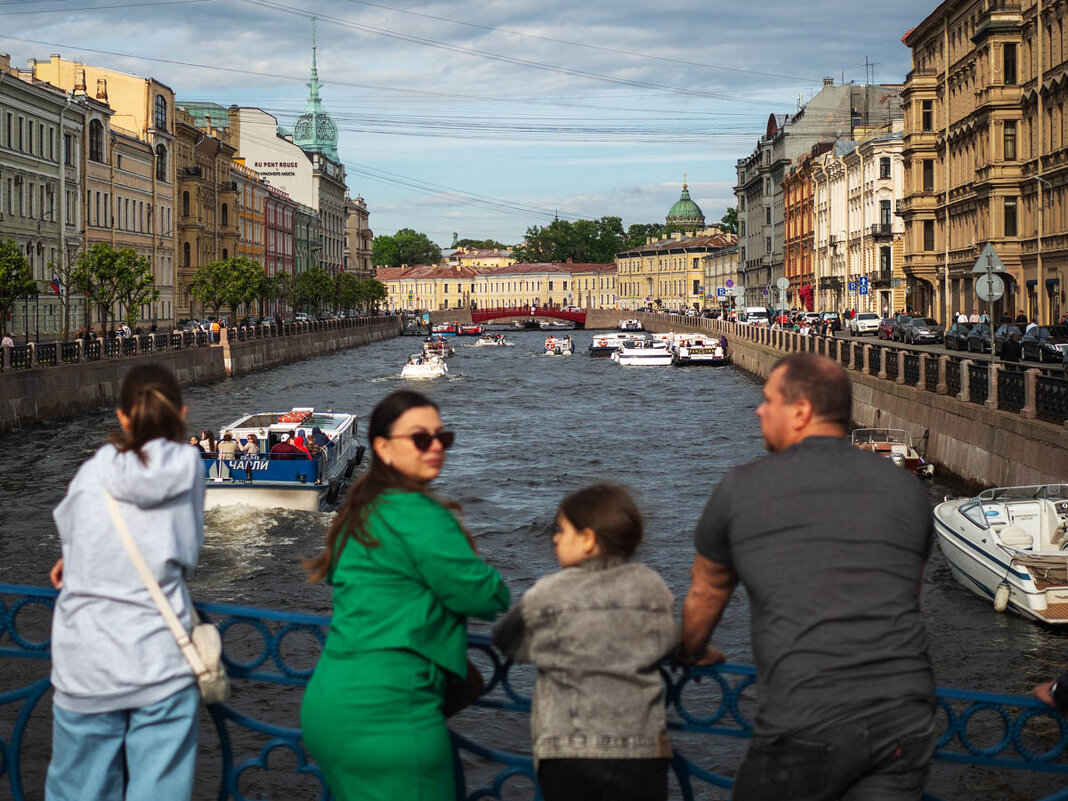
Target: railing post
{"x":992,"y":392}
{"x":1030,"y":407}
{"x":867,"y":360}
{"x":33,"y":354}
{"x":81,"y":350}
{"x":7,"y":358}
{"x":943,"y":386}
{"x":900,"y":356}
{"x":965,"y":380}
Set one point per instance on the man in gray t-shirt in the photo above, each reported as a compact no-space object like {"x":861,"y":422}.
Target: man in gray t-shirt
{"x":830,"y":542}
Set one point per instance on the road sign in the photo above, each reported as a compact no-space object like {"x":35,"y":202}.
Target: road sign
{"x":783,"y":283}
{"x":721,"y":292}
{"x":862,"y":285}
{"x":852,"y":286}
{"x":729,"y":283}
{"x":989,"y":260}
{"x":989,"y":287}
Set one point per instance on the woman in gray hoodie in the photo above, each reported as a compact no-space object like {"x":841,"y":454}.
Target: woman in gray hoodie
{"x":124,"y":694}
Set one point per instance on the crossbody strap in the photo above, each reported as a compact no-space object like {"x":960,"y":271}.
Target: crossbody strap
{"x":165,"y":609}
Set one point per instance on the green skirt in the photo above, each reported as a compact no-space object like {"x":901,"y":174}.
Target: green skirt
{"x":373,"y":723}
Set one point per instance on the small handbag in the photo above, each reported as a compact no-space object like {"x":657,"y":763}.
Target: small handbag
{"x":461,"y":693}
{"x":202,"y":647}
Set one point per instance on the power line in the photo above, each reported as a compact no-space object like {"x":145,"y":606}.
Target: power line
{"x":100,"y":8}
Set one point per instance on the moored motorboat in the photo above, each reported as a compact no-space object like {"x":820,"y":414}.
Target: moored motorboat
{"x":470,"y":330}
{"x":699,"y":349}
{"x":896,"y":445}
{"x":604,"y":345}
{"x":444,"y":329}
{"x":288,"y":478}
{"x":631,"y":325}
{"x":642,"y":353}
{"x":491,"y":341}
{"x":559,"y":346}
{"x":1009,"y":545}
{"x":420,"y":366}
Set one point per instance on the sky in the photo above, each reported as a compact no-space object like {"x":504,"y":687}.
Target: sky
{"x":485,"y":118}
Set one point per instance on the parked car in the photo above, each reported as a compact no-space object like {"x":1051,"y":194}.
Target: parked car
{"x":833,"y":320}
{"x":979,"y":338}
{"x":864,"y":323}
{"x":886,"y":328}
{"x":301,"y":317}
{"x":956,"y":337}
{"x":193,"y":324}
{"x":918,"y":330}
{"x":1002,"y":334}
{"x":249,"y":321}
{"x":899,"y":324}
{"x":1043,"y":344}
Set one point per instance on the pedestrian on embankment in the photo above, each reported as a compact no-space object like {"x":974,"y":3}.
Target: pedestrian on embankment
{"x":126,"y":702}
{"x":405,"y":578}
{"x":832,"y":560}
{"x":597,"y":734}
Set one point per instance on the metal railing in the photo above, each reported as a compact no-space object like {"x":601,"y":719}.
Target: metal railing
{"x":930,"y":374}
{"x":46,"y":355}
{"x":271,"y":647}
{"x":912,"y":369}
{"x":953,"y":384}
{"x":1051,"y":399}
{"x":878,"y":354}
{"x":978,"y":383}
{"x":892,"y":366}
{"x":1011,"y":390}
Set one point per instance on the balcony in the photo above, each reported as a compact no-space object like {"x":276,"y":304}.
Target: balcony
{"x":882,"y":230}
{"x":883,"y":280}
{"x":832,"y":282}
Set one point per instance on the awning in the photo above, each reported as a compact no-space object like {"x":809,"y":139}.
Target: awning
{"x":1052,"y":281}
{"x":1032,"y":282}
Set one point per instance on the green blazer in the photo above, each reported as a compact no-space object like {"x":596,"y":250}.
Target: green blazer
{"x":415,"y":589}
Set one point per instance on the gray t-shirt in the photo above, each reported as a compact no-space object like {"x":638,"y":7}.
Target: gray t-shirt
{"x":830,"y":542}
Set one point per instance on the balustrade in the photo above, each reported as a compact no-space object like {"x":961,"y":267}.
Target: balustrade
{"x":953,"y":377}
{"x":1010,"y":390}
{"x":892,"y":364}
{"x":912,"y":369}
{"x":930,"y":373}
{"x":858,"y":355}
{"x":21,"y":357}
{"x":876,"y":359}
{"x":978,"y":383}
{"x":69,"y":352}
{"x":46,"y":355}
{"x":1051,"y":399}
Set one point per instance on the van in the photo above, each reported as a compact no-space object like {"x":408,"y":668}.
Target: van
{"x":756,"y":315}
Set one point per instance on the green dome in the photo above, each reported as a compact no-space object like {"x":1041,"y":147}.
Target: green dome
{"x":685,"y":211}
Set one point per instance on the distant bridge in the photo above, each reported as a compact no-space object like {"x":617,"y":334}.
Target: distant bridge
{"x":555,"y":312}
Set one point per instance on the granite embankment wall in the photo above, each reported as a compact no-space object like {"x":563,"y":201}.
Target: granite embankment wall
{"x":976,"y":442}
{"x":41,"y":393}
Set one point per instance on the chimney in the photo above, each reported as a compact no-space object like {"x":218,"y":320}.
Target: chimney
{"x":79,"y":81}
{"x":102,"y":89}
{"x":5,"y":62}
{"x":828,"y":81}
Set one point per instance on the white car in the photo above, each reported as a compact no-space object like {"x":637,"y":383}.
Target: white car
{"x":864,"y":323}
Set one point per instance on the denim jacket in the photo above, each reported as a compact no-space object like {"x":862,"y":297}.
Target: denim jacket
{"x":596,"y":634}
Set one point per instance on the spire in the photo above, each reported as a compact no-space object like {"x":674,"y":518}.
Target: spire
{"x":314,"y":131}
{"x":314,"y":84}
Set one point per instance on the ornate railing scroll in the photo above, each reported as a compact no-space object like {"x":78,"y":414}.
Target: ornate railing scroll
{"x":265,"y":648}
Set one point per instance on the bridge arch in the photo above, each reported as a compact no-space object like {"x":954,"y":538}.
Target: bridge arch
{"x":553,"y":312}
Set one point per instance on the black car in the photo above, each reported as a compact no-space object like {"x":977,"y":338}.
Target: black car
{"x":917,"y":330}
{"x":979,"y":338}
{"x":1002,"y":333}
{"x":956,"y":337}
{"x":832,"y":321}
{"x":1043,"y":344}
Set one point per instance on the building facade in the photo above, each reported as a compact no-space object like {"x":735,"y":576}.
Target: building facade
{"x":668,"y":272}
{"x":359,"y":240}
{"x":721,"y":277}
{"x":798,"y":218}
{"x":595,"y":285}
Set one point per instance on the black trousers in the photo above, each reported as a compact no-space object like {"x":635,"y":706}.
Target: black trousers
{"x":603,"y":779}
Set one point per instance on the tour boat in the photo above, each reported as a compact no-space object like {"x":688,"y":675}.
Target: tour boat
{"x":698,"y":349}
{"x":631,"y":325}
{"x":604,"y":345}
{"x":287,"y":480}
{"x":1009,"y":544}
{"x":491,"y":341}
{"x":444,"y":329}
{"x":550,"y":324}
{"x":642,"y":353}
{"x":559,"y":346}
{"x":420,"y":366}
{"x":470,"y":330}
{"x":437,"y":346}
{"x":896,"y":445}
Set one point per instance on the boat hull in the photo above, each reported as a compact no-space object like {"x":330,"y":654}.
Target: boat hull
{"x":304,"y":498}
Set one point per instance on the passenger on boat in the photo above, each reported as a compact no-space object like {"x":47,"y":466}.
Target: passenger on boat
{"x":195,"y":442}
{"x":617,"y":747}
{"x":298,"y":442}
{"x":406,"y":577}
{"x":207,"y":442}
{"x":319,"y":438}
{"x":228,"y":446}
{"x":284,"y":449}
{"x":848,"y":675}
{"x":723,"y":342}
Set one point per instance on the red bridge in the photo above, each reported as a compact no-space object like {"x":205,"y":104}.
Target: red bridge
{"x":556,"y":312}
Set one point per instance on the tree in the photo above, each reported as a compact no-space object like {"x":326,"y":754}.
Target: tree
{"x":372,"y":292}
{"x":231,"y":282}
{"x":136,"y":285}
{"x":638,"y":234}
{"x":16,"y":279}
{"x":346,"y":293}
{"x":479,"y":244}
{"x":405,"y":247}
{"x":596,"y":241}
{"x":312,"y":288}
{"x":283,"y":289}
{"x":729,"y":221}
{"x":108,"y":276}
{"x":62,"y":269}
{"x":209,"y":285}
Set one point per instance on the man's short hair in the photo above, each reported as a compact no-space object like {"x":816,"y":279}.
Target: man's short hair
{"x":820,"y":381}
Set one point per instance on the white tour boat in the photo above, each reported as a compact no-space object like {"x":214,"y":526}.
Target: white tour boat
{"x":420,"y":366}
{"x":643,"y":353}
{"x":1009,"y":544}
{"x":896,"y":445}
{"x":491,"y":341}
{"x":559,"y":346}
{"x":438,"y":346}
{"x":291,"y":479}
{"x":631,"y":325}
{"x":604,"y":345}
{"x":699,"y":349}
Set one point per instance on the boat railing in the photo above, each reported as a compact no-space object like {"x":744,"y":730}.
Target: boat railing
{"x":1027,"y":492}
{"x":272,"y":653}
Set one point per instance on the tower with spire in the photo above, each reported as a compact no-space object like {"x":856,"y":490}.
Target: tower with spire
{"x":314,"y":131}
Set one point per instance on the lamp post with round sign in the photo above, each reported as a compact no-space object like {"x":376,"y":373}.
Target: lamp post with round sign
{"x":990,"y":287}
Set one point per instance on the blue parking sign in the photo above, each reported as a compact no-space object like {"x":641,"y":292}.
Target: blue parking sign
{"x":864,"y":285}
{"x":852,"y":286}
{"x":721,"y":292}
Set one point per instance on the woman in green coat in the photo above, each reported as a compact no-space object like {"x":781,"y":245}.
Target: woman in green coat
{"x":406,"y":578}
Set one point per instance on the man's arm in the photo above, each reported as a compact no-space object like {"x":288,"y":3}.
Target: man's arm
{"x":711,"y":586}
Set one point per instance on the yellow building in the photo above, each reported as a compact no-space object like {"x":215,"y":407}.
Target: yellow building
{"x":359,"y":240}
{"x":721,"y":273}
{"x":668,"y":272}
{"x":425,"y":287}
{"x":595,"y":286}
{"x":526,"y":285}
{"x":143,"y":110}
{"x":482,"y":258}
{"x":251,"y":212}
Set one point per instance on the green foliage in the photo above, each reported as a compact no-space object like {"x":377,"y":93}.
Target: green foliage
{"x":312,"y":289}
{"x":583,"y":241}
{"x":108,"y":276}
{"x":729,"y":221}
{"x":405,"y":247}
{"x":231,"y":282}
{"x":638,"y":234}
{"x":480,"y":244}
{"x":346,"y":294}
{"x":209,"y":285}
{"x":16,"y":279}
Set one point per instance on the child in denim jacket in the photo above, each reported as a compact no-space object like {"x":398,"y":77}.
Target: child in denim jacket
{"x":596,"y":631}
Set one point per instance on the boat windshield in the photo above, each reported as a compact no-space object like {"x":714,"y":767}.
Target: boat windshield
{"x":975,"y":512}
{"x":891,"y":435}
{"x":1052,"y":491}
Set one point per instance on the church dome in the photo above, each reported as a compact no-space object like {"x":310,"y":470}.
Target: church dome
{"x":685,"y":212}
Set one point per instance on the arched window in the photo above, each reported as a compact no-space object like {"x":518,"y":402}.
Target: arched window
{"x":161,"y":112}
{"x":161,"y":163}
{"x":185,"y":253}
{"x":225,"y":214}
{"x":96,"y":141}
{"x":185,"y":205}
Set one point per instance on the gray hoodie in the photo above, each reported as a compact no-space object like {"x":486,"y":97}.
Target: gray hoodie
{"x":111,"y":648}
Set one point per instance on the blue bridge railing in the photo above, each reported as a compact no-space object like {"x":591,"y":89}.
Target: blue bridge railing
{"x":259,"y":755}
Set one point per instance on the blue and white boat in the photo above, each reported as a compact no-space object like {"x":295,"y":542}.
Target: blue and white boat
{"x":287,"y":479}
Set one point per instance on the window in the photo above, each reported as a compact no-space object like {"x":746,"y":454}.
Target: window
{"x":1008,"y":62}
{"x":1010,"y":141}
{"x":185,"y":205}
{"x":225,"y":215}
{"x":928,"y":175}
{"x":928,"y":115}
{"x":96,"y":141}
{"x":68,"y":149}
{"x":884,"y":167}
{"x":884,"y":262}
{"x":161,"y":112}
{"x":767,"y":215}
{"x":928,"y":235}
{"x":1010,"y":216}
{"x":550,"y":287}
{"x":161,"y":163}
{"x":696,"y":287}
{"x":884,"y":213}
{"x":185,"y":254}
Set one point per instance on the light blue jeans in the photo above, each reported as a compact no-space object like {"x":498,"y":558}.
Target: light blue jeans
{"x":160,"y":745}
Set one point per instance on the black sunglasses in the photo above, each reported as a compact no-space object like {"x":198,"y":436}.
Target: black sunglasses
{"x":422,"y":440}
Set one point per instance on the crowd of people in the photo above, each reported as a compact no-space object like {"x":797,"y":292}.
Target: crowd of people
{"x":845,"y":688}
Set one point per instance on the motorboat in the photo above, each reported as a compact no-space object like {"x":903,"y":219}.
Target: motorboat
{"x":437,"y":345}
{"x":643,"y":353}
{"x":1011,"y":545}
{"x":699,"y":349}
{"x":491,"y":341}
{"x":604,"y":345}
{"x":896,"y":445}
{"x":420,"y":366}
{"x":470,"y":330}
{"x":444,"y":329}
{"x":552,"y":324}
{"x":631,"y":325}
{"x":559,"y":346}
{"x":289,"y":478}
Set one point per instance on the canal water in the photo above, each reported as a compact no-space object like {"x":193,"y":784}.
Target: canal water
{"x":529,"y":428}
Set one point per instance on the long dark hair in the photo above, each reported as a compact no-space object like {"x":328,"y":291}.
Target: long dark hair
{"x":610,"y":511}
{"x":152,"y":399}
{"x":351,"y":520}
